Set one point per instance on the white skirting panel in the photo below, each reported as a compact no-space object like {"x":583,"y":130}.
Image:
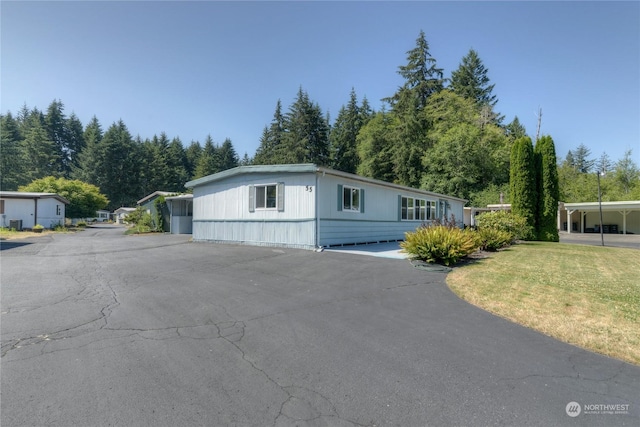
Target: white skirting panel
{"x":293,"y":234}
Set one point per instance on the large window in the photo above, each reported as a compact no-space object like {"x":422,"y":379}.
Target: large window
{"x":351,"y":199}
{"x":417,"y":209}
{"x":266,"y":196}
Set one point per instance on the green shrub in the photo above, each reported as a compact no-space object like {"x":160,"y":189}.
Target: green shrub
{"x":81,"y":224}
{"x":511,"y":223}
{"x":440,"y":244}
{"x":491,"y":239}
{"x":38,"y":227}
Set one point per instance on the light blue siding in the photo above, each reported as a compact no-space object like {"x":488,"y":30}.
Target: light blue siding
{"x":287,"y":233}
{"x":339,"y":232}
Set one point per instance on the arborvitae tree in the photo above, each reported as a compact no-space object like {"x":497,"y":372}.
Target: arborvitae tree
{"x":13,"y":164}
{"x":209,"y":161}
{"x":228,"y":156}
{"x":470,"y":81}
{"x":522,"y":183}
{"x":193,"y":153}
{"x":342,"y":139}
{"x":548,"y":190}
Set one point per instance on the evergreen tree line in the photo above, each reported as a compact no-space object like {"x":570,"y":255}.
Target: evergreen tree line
{"x":436,"y":133}
{"x":35,"y":145}
{"x":578,"y":177}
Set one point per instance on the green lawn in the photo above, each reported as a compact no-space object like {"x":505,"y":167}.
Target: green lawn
{"x":588,"y":296}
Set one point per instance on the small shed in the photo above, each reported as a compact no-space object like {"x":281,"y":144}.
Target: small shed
{"x":308,"y":206}
{"x":180,"y":213}
{"x":23,"y":210}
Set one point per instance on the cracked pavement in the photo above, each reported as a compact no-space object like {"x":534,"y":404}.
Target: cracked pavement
{"x":102,"y":329}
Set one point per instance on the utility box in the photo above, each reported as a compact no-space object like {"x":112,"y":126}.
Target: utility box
{"x":15,"y":224}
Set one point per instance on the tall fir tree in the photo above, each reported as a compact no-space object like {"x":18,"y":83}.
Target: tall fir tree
{"x":75,"y":141}
{"x":342,"y":138}
{"x":228,"y":156}
{"x":470,"y":81}
{"x":522,"y":181}
{"x":306,"y":138}
{"x":41,"y":153}
{"x":13,"y":163}
{"x":422,"y":79}
{"x":55,"y":121}
{"x":192,"y":154}
{"x":209,"y":161}
{"x":117,"y":167}
{"x":271,"y":149}
{"x":84,"y":168}
{"x":515,"y":129}
{"x":548,"y":190}
{"x":176,"y":159}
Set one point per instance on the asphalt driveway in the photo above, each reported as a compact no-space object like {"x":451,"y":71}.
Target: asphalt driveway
{"x":102,"y":329}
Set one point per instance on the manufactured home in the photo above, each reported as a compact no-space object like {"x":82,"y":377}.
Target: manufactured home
{"x":23,"y":210}
{"x":308,"y":206}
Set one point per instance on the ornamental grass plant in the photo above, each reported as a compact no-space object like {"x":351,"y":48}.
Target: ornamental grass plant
{"x":440,"y":244}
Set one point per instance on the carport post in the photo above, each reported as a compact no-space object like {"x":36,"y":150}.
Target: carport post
{"x":600,"y":206}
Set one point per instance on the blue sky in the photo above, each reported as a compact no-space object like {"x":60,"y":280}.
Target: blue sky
{"x":197,"y":68}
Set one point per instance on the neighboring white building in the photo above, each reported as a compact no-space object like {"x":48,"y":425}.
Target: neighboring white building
{"x":121,"y":213}
{"x":617,"y":217}
{"x":307,"y":206}
{"x":29,"y":209}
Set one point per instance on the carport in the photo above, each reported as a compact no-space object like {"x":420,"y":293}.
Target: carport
{"x":617,"y":217}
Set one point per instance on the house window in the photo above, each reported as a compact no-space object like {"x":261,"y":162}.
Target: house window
{"x":58,"y":210}
{"x":431,"y":210}
{"x":416,"y":209}
{"x":266,"y":196}
{"x":351,"y":199}
{"x":1,"y":206}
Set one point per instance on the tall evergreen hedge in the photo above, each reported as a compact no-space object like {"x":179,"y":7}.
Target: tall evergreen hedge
{"x":548,"y":190}
{"x":522,"y":181}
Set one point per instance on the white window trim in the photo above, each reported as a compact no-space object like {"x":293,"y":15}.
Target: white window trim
{"x":255,"y":195}
{"x":415,"y":206}
{"x":350,"y":208}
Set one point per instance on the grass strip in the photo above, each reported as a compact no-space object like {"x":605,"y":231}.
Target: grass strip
{"x":588,"y":296}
